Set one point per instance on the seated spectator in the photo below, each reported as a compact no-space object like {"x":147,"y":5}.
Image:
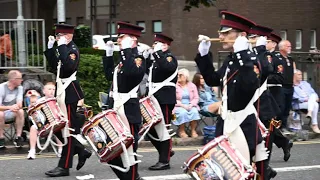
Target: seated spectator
{"x":307,"y":99}
{"x":5,"y":50}
{"x":208,"y":101}
{"x":186,"y":109}
{"x":48,"y":91}
{"x":11,"y":97}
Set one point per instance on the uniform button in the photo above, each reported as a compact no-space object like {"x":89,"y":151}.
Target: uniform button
{"x":122,"y":53}
{"x":234,"y":81}
{"x":249,"y":52}
{"x":230,"y":63}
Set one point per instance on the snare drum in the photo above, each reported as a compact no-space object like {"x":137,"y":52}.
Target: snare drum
{"x":46,"y":114}
{"x":218,"y":160}
{"x":151,"y":115}
{"x":106,"y":133}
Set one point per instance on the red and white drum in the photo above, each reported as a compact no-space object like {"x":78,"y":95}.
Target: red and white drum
{"x":218,"y":160}
{"x":107,"y":135}
{"x":151,"y":115}
{"x":46,"y":114}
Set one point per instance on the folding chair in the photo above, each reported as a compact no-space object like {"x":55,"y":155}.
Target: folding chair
{"x":300,"y":112}
{"x":10,"y":130}
{"x":103,"y":100}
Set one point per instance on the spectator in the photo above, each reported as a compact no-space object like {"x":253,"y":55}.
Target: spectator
{"x":11,"y":97}
{"x":48,"y":91}
{"x":208,"y":101}
{"x":307,"y":98}
{"x":5,"y":50}
{"x":186,"y":109}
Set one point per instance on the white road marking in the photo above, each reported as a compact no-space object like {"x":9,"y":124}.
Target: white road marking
{"x":185,"y":176}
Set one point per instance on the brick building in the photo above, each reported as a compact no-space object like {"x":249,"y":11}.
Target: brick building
{"x":294,"y":20}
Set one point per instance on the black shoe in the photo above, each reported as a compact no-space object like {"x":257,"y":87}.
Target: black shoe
{"x":287,"y":150}
{"x":271,"y":172}
{"x":172,"y":153}
{"x":2,"y":143}
{"x":57,"y":172}
{"x":139,"y":178}
{"x":82,"y":159}
{"x":160,"y":166}
{"x":18,"y":142}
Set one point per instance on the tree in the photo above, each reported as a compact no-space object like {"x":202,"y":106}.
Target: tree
{"x":196,"y":3}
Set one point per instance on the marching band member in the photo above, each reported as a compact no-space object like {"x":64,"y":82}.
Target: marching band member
{"x":68,"y":52}
{"x":267,"y":107}
{"x":275,"y":82}
{"x":130,"y":72}
{"x":163,"y":67}
{"x":238,"y":82}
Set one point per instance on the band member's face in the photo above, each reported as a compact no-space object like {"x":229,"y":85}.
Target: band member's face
{"x":254,"y":38}
{"x":271,"y":45}
{"x":201,"y":80}
{"x":49,"y":90}
{"x":165,"y":47}
{"x":120,"y":38}
{"x":230,"y":35}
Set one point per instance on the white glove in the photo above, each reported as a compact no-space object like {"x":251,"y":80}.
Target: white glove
{"x":62,"y":41}
{"x":109,"y":48}
{"x":240,"y":44}
{"x":127,"y":42}
{"x":51,"y":41}
{"x":261,"y":41}
{"x":158,"y":47}
{"x":202,"y":37}
{"x":204,"y":45}
{"x":146,"y":53}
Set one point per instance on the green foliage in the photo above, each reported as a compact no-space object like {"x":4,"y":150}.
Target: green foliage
{"x":92,"y":51}
{"x":82,"y":36}
{"x":92,"y":79}
{"x":196,"y":3}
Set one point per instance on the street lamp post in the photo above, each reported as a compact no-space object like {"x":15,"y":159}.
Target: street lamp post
{"x":21,"y":36}
{"x":61,"y":11}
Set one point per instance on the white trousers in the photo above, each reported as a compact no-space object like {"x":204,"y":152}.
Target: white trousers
{"x":311,"y":105}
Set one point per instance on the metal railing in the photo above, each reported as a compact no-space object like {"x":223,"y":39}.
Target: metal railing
{"x":30,"y":56}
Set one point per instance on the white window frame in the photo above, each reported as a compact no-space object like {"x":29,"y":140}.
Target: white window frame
{"x":313,"y":37}
{"x":142,"y":24}
{"x":154,"y":26}
{"x":283,"y":35}
{"x":298,"y":39}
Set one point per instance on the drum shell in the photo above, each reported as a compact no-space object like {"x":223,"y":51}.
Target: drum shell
{"x":109,"y":148}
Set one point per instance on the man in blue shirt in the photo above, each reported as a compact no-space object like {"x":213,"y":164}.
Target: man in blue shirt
{"x":307,"y":98}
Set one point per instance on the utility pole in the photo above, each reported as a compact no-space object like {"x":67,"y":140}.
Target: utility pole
{"x":61,"y":11}
{"x":21,"y":37}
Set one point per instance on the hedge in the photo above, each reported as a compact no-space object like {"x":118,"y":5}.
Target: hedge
{"x":91,"y":77}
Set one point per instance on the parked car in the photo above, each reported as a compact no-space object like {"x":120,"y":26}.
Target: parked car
{"x":99,"y":42}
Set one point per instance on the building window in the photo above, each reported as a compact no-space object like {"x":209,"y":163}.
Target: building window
{"x":298,"y":39}
{"x":142,"y":24}
{"x":283,"y":35}
{"x":80,"y":21}
{"x":157,"y":26}
{"x":113,"y":28}
{"x":68,"y":21}
{"x":313,"y":40}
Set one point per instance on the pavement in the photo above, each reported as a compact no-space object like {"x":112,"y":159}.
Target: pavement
{"x":303,"y":164}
